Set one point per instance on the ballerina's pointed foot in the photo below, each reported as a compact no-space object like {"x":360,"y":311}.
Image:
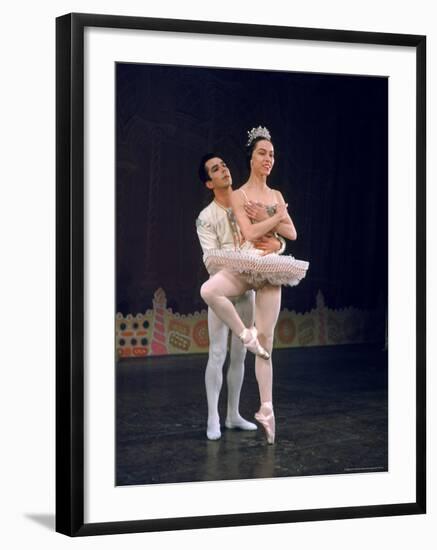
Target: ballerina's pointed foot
{"x":249,"y":337}
{"x":266,"y":418}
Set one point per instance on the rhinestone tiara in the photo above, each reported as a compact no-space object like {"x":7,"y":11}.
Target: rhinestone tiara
{"x":261,"y":131}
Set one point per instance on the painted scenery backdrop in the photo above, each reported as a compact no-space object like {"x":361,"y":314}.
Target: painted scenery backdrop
{"x":331,"y":146}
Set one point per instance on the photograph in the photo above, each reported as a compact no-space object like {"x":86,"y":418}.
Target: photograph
{"x":218,"y":299}
{"x":251,"y":274}
{"x":240,"y":274}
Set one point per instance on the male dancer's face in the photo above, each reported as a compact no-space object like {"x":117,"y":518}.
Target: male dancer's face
{"x":219,"y":175}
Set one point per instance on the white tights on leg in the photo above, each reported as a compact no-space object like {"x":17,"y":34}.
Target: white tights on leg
{"x":245,"y":308}
{"x":218,"y":340}
{"x":218,"y":337}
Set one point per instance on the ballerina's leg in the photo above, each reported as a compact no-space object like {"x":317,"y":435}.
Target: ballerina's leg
{"x":268,"y":305}
{"x":216,"y":293}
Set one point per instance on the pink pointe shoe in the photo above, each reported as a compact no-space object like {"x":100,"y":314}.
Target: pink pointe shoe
{"x":249,"y":337}
{"x":266,"y":418}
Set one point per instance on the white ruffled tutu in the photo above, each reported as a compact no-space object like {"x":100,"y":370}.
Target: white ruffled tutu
{"x":257,"y":270}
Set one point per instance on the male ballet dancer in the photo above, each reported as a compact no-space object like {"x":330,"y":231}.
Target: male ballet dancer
{"x":216,"y":228}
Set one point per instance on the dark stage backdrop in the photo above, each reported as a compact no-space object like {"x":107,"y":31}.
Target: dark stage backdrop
{"x":331,"y":144}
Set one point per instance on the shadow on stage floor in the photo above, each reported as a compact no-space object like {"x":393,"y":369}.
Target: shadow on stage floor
{"x":331,"y":418}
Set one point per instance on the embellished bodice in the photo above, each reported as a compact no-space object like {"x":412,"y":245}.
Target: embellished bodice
{"x":270,"y":208}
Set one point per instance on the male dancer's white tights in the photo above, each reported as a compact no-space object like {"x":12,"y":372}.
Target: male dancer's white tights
{"x":218,"y":337}
{"x":216,"y":293}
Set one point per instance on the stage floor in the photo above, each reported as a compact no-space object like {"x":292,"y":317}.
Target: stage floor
{"x":331,"y":413}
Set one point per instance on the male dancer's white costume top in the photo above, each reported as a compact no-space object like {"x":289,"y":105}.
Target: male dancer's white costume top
{"x":217,"y":229}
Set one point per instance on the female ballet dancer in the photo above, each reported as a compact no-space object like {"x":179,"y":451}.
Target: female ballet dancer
{"x":235,"y":271}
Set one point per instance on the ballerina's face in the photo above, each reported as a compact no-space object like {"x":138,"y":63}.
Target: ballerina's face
{"x":219,"y":174}
{"x":263,"y":158}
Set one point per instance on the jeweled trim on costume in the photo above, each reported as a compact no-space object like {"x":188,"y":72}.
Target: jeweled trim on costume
{"x":271,"y":209}
{"x":202,"y":223}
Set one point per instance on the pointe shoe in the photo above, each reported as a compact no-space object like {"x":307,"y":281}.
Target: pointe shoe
{"x":252,"y":344}
{"x":266,"y":418}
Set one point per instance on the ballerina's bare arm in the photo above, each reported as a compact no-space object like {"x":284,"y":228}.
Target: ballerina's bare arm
{"x":250,"y":231}
{"x":286,"y":226}
{"x":257,"y":212}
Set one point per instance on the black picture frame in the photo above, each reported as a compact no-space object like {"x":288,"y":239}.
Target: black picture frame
{"x":70,"y":313}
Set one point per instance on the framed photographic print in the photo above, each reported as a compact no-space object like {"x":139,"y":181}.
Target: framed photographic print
{"x":212,"y":179}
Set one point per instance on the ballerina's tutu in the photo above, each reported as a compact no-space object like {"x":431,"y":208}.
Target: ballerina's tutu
{"x":257,"y":269}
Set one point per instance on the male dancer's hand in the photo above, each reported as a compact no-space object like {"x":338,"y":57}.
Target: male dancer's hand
{"x":267,"y":244}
